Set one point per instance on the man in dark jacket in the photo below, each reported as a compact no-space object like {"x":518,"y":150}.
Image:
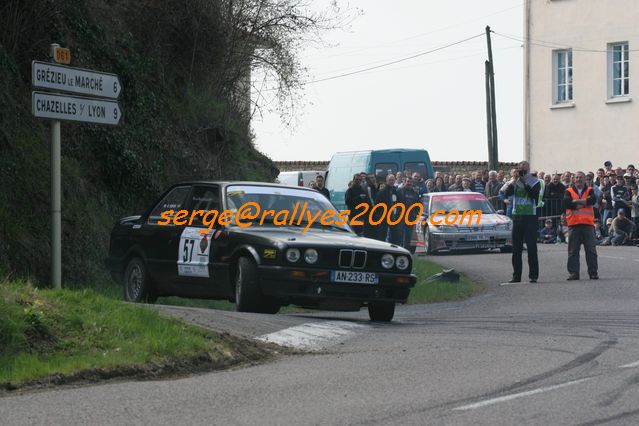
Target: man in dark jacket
{"x":408,"y":196}
{"x":355,"y":195}
{"x":553,"y":199}
{"x":321,"y":188}
{"x":388,"y":196}
{"x":620,"y":195}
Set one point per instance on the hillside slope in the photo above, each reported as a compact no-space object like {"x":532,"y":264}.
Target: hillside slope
{"x":180,"y":122}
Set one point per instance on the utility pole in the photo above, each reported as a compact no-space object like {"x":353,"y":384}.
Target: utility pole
{"x":489,"y":121}
{"x":493,"y":114}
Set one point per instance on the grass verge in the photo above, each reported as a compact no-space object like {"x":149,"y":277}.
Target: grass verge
{"x":48,"y":335}
{"x":438,"y":291}
{"x":423,"y":292}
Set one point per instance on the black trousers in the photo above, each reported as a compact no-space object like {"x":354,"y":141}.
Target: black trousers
{"x":578,"y":235}
{"x":525,"y":230}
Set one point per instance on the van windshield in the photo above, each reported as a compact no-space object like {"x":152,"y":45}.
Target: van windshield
{"x":384,"y":169}
{"x":419,"y":167}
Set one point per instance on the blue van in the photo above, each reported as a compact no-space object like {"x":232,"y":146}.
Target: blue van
{"x":381,"y":162}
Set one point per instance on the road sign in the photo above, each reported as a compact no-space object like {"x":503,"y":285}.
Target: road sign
{"x":62,"y":55}
{"x":75,"y":108}
{"x":75,"y":80}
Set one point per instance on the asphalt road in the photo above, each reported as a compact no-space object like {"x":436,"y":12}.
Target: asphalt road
{"x":554,"y":352}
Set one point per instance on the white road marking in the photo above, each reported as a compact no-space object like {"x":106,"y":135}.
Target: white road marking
{"x":519,"y":283}
{"x":613,"y":257}
{"x":517,"y":395}
{"x":631,"y":365}
{"x":312,"y":336}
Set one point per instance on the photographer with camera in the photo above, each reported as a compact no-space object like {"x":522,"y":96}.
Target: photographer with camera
{"x":524,"y":187}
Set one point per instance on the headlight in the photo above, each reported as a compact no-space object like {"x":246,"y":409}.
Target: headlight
{"x":402,"y":262}
{"x":388,"y":261}
{"x":310,"y":256}
{"x":293,"y":255}
{"x":503,"y":226}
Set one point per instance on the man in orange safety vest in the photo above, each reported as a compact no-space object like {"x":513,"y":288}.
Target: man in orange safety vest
{"x":580,"y":218}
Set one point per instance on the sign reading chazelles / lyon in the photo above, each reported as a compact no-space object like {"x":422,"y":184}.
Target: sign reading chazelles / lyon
{"x":75,"y":80}
{"x":75,"y":108}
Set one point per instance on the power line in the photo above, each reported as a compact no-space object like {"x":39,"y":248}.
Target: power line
{"x":554,"y":45}
{"x":391,"y":43}
{"x":397,"y":60}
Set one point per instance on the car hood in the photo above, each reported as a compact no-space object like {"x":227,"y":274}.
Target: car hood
{"x":318,"y":237}
{"x":491,"y":219}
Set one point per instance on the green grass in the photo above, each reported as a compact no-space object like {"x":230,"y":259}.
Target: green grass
{"x":46,"y":332}
{"x":437,"y":291}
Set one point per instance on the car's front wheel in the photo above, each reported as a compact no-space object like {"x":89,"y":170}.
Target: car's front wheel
{"x":381,"y":311}
{"x":137,"y":284}
{"x":247,"y":290}
{"x":428,"y":242}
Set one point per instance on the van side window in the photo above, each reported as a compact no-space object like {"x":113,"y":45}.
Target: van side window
{"x":174,"y":200}
{"x":384,"y":169}
{"x":419,"y":167}
{"x":338,"y":179}
{"x":204,"y":198}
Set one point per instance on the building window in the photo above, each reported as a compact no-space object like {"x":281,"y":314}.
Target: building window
{"x":562,"y":76}
{"x":619,"y":69}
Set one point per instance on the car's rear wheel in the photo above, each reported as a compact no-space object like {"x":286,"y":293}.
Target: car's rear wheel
{"x":137,"y":284}
{"x":381,"y":311}
{"x":247,"y":290}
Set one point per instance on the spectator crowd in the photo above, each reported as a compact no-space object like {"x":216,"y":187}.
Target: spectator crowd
{"x":616,"y":209}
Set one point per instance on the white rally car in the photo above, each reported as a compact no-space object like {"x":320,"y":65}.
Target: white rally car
{"x":462,"y":221}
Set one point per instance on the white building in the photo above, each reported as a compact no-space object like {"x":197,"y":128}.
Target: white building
{"x":581,"y":70}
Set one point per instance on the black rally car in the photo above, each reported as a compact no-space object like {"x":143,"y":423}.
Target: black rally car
{"x":278,"y":260}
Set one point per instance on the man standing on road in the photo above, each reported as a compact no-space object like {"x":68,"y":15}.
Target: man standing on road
{"x":524,"y":188}
{"x":354,"y":196}
{"x":579,"y":200}
{"x":321,"y":188}
{"x":389,"y":197}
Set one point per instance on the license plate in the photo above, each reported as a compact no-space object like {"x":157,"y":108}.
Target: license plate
{"x":354,"y":277}
{"x":475,"y":237}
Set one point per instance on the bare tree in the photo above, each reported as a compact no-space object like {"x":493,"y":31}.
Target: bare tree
{"x":268,"y":35}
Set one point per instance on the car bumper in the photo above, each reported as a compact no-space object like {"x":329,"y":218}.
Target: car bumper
{"x":316,"y":284}
{"x":442,"y":241}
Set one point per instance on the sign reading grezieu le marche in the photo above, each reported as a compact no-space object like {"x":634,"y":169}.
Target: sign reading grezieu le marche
{"x":75,"y":108}
{"x":75,"y":80}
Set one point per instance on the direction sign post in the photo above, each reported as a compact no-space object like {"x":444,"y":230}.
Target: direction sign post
{"x":58,"y":107}
{"x":75,"y":80}
{"x":75,"y":108}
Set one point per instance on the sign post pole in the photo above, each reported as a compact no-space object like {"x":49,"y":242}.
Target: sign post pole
{"x":56,"y":200}
{"x":99,"y":107}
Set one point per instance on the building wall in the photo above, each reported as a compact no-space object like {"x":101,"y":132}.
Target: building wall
{"x":591,"y":130}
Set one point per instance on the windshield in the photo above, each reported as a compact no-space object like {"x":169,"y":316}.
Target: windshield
{"x":448,"y":203}
{"x":281,"y":206}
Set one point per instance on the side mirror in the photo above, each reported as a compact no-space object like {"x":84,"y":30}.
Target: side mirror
{"x":501,"y":212}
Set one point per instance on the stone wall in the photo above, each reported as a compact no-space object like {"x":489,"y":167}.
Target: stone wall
{"x":452,"y":167}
